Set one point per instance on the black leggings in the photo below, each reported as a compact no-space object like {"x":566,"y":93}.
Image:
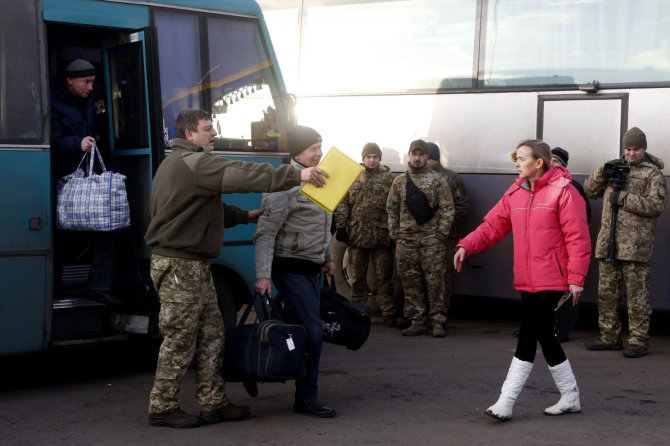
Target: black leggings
{"x":537,"y":325}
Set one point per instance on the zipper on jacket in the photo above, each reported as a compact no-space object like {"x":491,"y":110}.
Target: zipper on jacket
{"x":530,"y":276}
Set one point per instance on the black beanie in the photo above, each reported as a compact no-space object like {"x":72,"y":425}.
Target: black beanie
{"x":371,"y":149}
{"x":635,"y":138}
{"x":300,"y":138}
{"x":79,"y":68}
{"x":433,"y":151}
{"x":419,"y":144}
{"x":561,"y":154}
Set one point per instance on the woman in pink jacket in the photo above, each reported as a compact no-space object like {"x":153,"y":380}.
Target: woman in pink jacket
{"x":552,"y":250}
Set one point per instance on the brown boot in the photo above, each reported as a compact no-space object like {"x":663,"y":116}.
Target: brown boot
{"x":175,"y":418}
{"x":438,"y":330}
{"x":417,"y":328}
{"x":599,"y":345}
{"x":229,"y":412}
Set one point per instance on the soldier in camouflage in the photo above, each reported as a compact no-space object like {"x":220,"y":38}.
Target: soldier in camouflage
{"x":461,"y":206}
{"x":186,"y":229}
{"x":420,"y":250}
{"x":362,"y":223}
{"x":640,"y":202}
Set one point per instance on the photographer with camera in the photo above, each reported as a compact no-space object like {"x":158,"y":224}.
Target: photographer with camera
{"x":633,"y":190}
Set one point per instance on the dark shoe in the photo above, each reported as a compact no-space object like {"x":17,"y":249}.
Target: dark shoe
{"x":403,"y":323}
{"x":439,"y":331}
{"x":105,"y":297}
{"x":599,"y":345}
{"x":634,"y":351}
{"x":313,"y":409}
{"x":251,"y":388}
{"x":417,"y":328}
{"x":390,"y":320}
{"x":176,"y":418}
{"x":229,"y":412}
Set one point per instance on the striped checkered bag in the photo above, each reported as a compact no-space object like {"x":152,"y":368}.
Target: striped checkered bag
{"x":88,"y":201}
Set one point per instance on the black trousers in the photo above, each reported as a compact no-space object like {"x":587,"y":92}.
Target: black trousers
{"x":537,"y":325}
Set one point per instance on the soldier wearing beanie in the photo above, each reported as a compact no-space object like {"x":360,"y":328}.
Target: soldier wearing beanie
{"x":461,"y":208}
{"x":560,"y":157}
{"x":292,"y":249}
{"x":361,"y":222}
{"x":420,"y":215}
{"x":638,"y":198}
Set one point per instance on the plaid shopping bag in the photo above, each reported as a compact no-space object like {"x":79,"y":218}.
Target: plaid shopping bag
{"x":92,"y":202}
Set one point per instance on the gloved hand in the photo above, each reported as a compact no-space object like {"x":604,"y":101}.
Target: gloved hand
{"x":341,"y":235}
{"x":614,"y":198}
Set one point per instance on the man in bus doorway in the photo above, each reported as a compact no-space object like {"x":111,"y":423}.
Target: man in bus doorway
{"x":420,"y":215}
{"x":633,"y":188}
{"x":73,"y":133}
{"x":186,"y":229}
{"x":362,"y":223}
{"x":461,"y":208}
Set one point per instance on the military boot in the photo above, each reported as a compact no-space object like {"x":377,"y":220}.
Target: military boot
{"x":175,"y":418}
{"x":417,"y":328}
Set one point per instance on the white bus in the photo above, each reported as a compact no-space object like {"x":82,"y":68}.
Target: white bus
{"x":477,"y":77}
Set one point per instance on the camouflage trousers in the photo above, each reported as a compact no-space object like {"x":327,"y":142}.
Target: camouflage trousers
{"x":382,"y":260}
{"x":421,"y":265}
{"x":635,"y":276}
{"x":192,"y":329}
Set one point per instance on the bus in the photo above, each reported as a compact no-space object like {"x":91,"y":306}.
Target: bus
{"x":477,"y":77}
{"x":152,"y":59}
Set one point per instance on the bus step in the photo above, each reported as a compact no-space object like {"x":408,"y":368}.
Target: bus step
{"x":75,"y":274}
{"x":119,"y":337}
{"x":77,"y":318}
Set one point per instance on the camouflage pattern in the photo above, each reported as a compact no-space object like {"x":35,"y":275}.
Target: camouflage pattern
{"x":362,"y":211}
{"x":635,"y":276}
{"x":419,"y":262}
{"x":382,"y":261}
{"x":461,"y":200}
{"x":420,"y":249}
{"x":192,"y":328}
{"x":641,"y":202}
{"x":401,"y":222}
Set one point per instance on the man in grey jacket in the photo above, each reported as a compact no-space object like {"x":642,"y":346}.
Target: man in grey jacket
{"x":186,"y":229}
{"x":293,"y":249}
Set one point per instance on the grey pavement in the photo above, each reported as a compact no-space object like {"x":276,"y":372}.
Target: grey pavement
{"x":394,"y":391}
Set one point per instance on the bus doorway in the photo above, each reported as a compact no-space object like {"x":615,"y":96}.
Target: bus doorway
{"x":100,"y":286}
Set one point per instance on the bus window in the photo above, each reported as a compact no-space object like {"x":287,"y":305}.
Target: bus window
{"x":22,"y":102}
{"x":220,"y":65}
{"x":576,"y":42}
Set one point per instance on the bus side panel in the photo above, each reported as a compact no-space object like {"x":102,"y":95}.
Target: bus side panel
{"x":25,"y":225}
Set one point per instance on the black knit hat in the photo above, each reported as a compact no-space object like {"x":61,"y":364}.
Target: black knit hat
{"x":300,"y":138}
{"x":561,"y":154}
{"x":418,"y":144}
{"x":79,"y":68}
{"x":635,"y":138}
{"x":371,"y":149}
{"x":433,"y":151}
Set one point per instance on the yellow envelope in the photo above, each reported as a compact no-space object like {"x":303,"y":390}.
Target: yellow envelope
{"x":342,"y":171}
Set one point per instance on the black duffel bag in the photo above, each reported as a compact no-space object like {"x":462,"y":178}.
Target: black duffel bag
{"x":268,"y":350}
{"x":344,"y":322}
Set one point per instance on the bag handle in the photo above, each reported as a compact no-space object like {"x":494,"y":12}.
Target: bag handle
{"x":94,"y":150}
{"x":329,"y":283}
{"x":265,"y":308}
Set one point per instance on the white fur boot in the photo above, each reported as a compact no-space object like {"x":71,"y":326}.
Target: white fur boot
{"x":567,"y":385}
{"x":516,"y":379}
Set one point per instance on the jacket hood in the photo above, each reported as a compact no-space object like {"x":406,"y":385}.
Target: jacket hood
{"x":654,"y":160}
{"x":557,"y":176}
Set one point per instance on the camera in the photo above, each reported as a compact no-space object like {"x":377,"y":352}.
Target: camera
{"x":616,"y":174}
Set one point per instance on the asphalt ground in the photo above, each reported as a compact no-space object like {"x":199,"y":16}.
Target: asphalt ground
{"x":394,"y":391}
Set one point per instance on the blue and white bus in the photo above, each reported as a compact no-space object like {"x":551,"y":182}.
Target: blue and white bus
{"x":152,"y":59}
{"x":477,"y":77}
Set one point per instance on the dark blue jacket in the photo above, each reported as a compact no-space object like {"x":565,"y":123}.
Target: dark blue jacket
{"x":72,"y":118}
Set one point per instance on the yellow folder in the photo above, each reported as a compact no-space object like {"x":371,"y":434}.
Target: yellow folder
{"x":342,"y":171}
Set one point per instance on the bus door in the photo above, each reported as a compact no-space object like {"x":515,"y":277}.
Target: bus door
{"x":590,"y":127}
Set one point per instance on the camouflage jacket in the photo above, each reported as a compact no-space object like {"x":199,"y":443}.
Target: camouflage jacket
{"x":461,"y":199}
{"x":362,"y":211}
{"x":641,"y":202}
{"x":401,"y":222}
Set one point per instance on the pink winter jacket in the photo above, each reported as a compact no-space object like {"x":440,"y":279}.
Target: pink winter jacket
{"x":552,"y":247}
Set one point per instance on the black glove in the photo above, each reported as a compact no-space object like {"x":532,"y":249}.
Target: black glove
{"x":614,"y":197}
{"x":341,"y":235}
